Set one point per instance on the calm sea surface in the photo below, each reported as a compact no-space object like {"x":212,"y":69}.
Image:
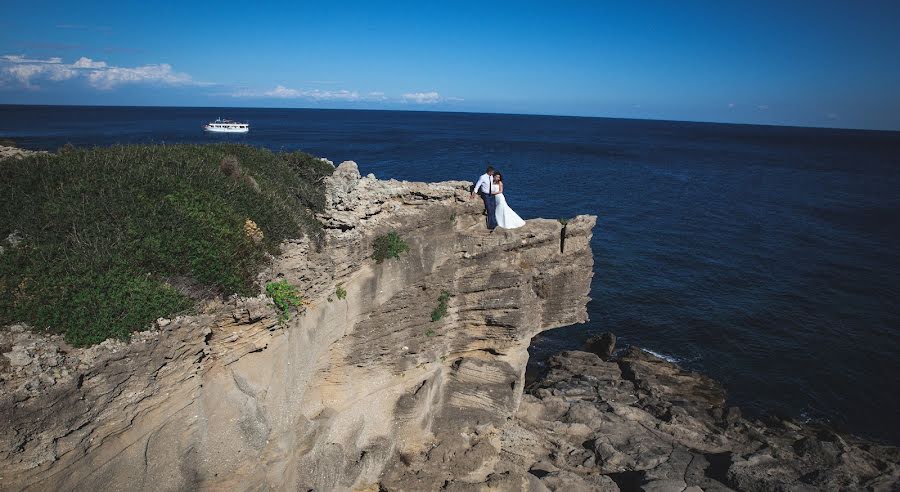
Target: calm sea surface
{"x":766,"y":257}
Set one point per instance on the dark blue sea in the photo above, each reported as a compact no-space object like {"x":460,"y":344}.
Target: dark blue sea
{"x":765,"y":257}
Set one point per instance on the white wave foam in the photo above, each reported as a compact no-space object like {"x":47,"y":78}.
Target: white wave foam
{"x":667,"y":358}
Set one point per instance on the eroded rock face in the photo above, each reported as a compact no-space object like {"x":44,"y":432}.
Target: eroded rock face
{"x":364,"y":391}
{"x":638,"y":422}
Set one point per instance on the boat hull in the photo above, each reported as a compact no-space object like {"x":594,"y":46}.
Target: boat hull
{"x":225,"y":130}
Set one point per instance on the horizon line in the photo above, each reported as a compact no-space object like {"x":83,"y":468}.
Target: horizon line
{"x":499,"y":113}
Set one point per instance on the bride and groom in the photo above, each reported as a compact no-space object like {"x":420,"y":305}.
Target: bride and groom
{"x":490,"y":188}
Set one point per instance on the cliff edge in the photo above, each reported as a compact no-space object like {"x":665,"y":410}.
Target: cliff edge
{"x":362,"y":389}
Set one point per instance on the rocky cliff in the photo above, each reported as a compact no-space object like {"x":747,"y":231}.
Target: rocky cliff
{"x":363,"y":390}
{"x":357,"y":391}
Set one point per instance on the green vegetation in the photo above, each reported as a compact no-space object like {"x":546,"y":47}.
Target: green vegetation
{"x":441,"y":311}
{"x":388,"y":246}
{"x":430,"y":333}
{"x":285,"y":296}
{"x":113,"y":238}
{"x":340,"y":292}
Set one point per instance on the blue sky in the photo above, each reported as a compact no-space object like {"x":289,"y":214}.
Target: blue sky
{"x":810,"y":63}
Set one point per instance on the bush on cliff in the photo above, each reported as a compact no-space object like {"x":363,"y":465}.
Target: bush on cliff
{"x":285,"y":296}
{"x":387,"y":246}
{"x":443,"y":303}
{"x":107,"y":232}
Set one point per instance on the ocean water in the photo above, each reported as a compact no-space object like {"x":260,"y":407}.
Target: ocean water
{"x":765,"y":257}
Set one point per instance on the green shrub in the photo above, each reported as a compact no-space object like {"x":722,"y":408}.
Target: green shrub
{"x":388,"y":246}
{"x":340,"y":292}
{"x":105,"y":231}
{"x":285,"y":296}
{"x":441,"y":311}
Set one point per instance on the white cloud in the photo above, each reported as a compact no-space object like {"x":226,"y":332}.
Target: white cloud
{"x":109,"y":77}
{"x":238,"y":92}
{"x":339,"y":95}
{"x":60,"y":72}
{"x":98,"y":73}
{"x":315,"y":94}
{"x":85,"y":62}
{"x":730,"y":105}
{"x":763,"y":107}
{"x":422,"y":97}
{"x":22,"y":59}
{"x":24,"y":73}
{"x":283,"y":92}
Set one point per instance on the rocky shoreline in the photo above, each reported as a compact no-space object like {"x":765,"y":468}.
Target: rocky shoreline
{"x":637,"y":422}
{"x":366,"y":392}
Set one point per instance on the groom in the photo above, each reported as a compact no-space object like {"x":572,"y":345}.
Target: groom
{"x":483,"y":188}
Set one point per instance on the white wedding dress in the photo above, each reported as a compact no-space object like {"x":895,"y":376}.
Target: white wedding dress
{"x":506,"y":218}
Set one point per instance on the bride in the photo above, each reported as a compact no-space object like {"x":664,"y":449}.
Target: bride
{"x":506,"y":218}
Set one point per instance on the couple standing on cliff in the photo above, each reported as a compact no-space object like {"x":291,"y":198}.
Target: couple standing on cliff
{"x":490,"y":188}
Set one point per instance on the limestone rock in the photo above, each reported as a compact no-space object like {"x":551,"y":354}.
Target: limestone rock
{"x":362,"y":392}
{"x":252,"y":231}
{"x":18,"y":357}
{"x":368,"y":393}
{"x":14,"y":153}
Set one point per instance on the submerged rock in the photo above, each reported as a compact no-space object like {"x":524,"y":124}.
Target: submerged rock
{"x":603,"y":345}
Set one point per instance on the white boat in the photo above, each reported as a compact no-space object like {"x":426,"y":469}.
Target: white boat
{"x":226,"y":126}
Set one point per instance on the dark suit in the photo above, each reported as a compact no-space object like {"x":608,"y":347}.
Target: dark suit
{"x":490,"y":204}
